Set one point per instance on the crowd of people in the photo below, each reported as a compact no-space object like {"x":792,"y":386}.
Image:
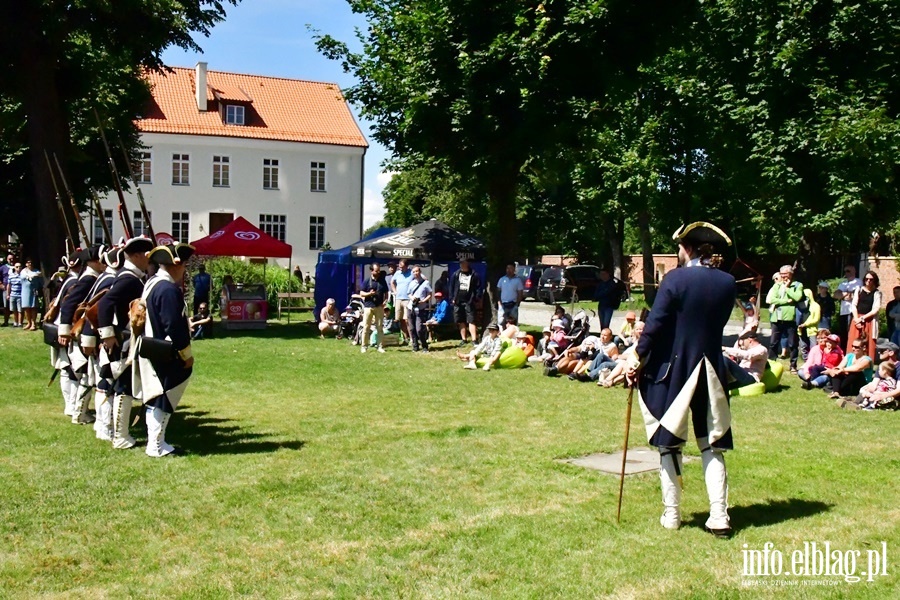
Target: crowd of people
{"x":21,"y":293}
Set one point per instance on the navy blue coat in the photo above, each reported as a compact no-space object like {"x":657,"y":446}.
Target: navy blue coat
{"x":685,"y":325}
{"x":165,"y":311}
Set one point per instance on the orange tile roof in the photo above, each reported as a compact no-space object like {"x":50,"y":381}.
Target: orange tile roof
{"x":276,"y":109}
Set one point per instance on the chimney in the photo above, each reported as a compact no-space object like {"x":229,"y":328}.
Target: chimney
{"x":200,"y":81}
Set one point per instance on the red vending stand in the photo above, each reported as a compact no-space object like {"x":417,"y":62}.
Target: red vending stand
{"x":244,"y":306}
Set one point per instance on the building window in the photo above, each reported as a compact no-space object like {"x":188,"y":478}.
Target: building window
{"x":316,"y":233}
{"x":99,"y":238}
{"x":274,"y":225}
{"x":270,"y":173}
{"x":181,"y":169}
{"x":317,"y":177}
{"x":234,"y":115}
{"x":181,"y":226}
{"x":137,"y":221}
{"x":221,"y":171}
{"x":143,"y":168}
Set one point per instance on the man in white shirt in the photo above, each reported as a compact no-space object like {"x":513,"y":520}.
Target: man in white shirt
{"x":752,"y":357}
{"x":844,"y":293}
{"x":512,"y":291}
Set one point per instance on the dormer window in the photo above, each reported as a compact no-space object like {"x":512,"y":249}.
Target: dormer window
{"x":234,"y":114}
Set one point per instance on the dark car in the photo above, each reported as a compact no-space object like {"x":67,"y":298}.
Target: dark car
{"x":557,"y":284}
{"x":531,"y":277}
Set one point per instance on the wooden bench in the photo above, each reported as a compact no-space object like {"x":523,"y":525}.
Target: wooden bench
{"x":289,"y":297}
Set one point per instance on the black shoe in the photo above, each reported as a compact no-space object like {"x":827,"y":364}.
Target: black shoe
{"x":722,"y":534}
{"x":806,"y":385}
{"x":462,"y":343}
{"x":551,"y":371}
{"x":572,"y":376}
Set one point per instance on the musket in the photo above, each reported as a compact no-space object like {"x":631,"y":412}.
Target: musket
{"x":137,"y":190}
{"x":107,"y":234}
{"x":123,"y":209}
{"x":75,"y":211}
{"x":59,"y":203}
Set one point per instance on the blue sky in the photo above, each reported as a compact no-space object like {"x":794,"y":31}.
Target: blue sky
{"x":271,"y":37}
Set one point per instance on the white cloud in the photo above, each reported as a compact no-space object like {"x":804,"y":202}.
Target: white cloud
{"x":373,"y":207}
{"x":384,"y":177}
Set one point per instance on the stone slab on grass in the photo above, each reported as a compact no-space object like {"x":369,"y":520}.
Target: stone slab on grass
{"x":639,"y":460}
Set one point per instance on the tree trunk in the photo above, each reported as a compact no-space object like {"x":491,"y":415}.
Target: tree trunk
{"x":614,"y":229}
{"x":648,"y":272}
{"x":812,"y":259}
{"x":46,"y":128}
{"x":503,"y":244}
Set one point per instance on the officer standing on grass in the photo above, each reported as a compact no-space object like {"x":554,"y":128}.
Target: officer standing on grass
{"x":682,"y":371}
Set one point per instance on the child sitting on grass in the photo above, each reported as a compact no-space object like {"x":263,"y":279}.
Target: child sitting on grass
{"x":886,"y":383}
{"x":832,"y":356}
{"x":490,"y":346}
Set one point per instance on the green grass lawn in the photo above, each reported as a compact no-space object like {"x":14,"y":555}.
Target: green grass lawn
{"x":317,"y":472}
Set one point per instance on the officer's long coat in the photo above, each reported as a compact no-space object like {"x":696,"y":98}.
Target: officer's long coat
{"x":683,"y":366}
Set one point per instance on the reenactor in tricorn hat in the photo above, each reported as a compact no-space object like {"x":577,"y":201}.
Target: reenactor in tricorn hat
{"x":162,"y":359}
{"x":59,"y":357}
{"x":683,"y":373}
{"x":112,"y":318}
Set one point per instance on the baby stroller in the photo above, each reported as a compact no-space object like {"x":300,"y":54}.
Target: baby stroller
{"x":351,"y":319}
{"x":581,"y":326}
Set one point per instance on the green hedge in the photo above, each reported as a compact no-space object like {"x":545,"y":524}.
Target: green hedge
{"x":277,"y":279}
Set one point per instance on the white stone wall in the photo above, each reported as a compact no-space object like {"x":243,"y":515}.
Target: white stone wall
{"x":340,"y":204}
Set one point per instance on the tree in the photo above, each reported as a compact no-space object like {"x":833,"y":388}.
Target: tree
{"x":58,"y":62}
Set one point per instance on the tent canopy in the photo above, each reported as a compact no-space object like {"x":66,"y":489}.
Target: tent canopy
{"x":428,"y":241}
{"x":242,"y":238}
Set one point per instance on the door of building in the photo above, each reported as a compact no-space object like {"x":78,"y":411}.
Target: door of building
{"x":218,"y":220}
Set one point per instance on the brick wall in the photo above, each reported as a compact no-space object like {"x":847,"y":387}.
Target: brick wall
{"x":662,"y":264}
{"x":888,"y":276}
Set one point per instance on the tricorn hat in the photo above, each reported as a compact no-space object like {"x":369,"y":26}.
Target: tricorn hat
{"x":171,"y":254}
{"x":91,"y":253}
{"x":113,"y":256}
{"x":701,"y":232}
{"x":73,"y":259}
{"x":140,"y":243}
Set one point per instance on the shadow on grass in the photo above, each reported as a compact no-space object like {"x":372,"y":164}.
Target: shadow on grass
{"x":198,"y":433}
{"x":763,"y":514}
{"x":297,"y":330}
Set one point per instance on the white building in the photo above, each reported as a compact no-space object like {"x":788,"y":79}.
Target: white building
{"x":284,"y":154}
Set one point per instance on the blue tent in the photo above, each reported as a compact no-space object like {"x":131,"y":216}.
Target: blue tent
{"x":339,"y":273}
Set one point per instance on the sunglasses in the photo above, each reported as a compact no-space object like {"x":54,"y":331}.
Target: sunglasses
{"x":868,"y":279}
{"x":856,"y":347}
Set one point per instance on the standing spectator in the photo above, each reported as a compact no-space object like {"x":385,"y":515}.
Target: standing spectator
{"x":826,"y":305}
{"x":809,"y":323}
{"x":298,"y":274}
{"x":864,"y":307}
{"x":4,"y":293}
{"x":844,"y":293}
{"x":373,"y":292}
{"x":400,"y":287}
{"x":202,"y":285}
{"x":31,"y":280}
{"x":419,"y":299}
{"x":14,"y":293}
{"x":512,"y":291}
{"x":465,"y":289}
{"x":893,"y":317}
{"x":608,"y":295}
{"x":784,"y":296}
{"x":442,"y":285}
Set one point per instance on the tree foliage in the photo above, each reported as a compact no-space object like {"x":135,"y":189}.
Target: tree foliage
{"x":59,"y":61}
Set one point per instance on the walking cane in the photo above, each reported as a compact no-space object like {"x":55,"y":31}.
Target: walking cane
{"x":625,"y":446}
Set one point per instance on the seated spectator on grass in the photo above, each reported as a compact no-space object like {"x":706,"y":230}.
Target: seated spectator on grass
{"x":888,"y":352}
{"x":558,"y":340}
{"x":510,"y":328}
{"x":816,"y":355}
{"x":617,"y":375}
{"x":201,"y":323}
{"x":560,"y":314}
{"x":525,"y":342}
{"x":854,"y":372}
{"x":870,"y":395}
{"x":441,"y":315}
{"x":623,"y":340}
{"x":605,"y":361}
{"x":750,"y":357}
{"x":490,"y":347}
{"x":329,"y":320}
{"x":574,"y":356}
{"x":832,"y":357}
{"x":541,"y":352}
{"x":588,"y":350}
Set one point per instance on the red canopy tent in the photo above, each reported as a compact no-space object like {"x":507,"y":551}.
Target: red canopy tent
{"x":242,"y":238}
